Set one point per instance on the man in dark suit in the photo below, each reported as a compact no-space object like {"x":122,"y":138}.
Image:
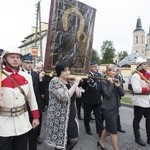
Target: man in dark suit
{"x":44,"y":84}
{"x":92,"y":100}
{"x":27,"y":65}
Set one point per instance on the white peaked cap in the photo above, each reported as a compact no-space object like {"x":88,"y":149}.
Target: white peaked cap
{"x":12,"y":51}
{"x":140,"y":60}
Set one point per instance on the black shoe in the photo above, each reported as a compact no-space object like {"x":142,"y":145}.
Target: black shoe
{"x":140,"y":142}
{"x":121,"y":130}
{"x":103,"y":148}
{"x":89,"y":132}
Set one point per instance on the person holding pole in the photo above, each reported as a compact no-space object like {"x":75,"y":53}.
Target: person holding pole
{"x":141,"y":99}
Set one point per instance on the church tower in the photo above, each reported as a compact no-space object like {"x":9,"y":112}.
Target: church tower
{"x":139,"y":39}
{"x":147,"y":49}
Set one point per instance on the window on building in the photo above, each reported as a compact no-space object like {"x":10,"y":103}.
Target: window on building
{"x":142,"y":39}
{"x":136,"y":39}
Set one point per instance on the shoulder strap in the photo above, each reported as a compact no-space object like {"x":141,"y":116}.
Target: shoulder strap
{"x":21,"y":90}
{"x":143,"y":78}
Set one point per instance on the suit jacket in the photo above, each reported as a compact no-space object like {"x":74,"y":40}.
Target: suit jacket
{"x":44,"y":85}
{"x":36,"y":87}
{"x":92,"y":88}
{"x":111,"y":95}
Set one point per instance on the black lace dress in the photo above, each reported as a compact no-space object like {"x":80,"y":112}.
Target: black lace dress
{"x":72,"y":131}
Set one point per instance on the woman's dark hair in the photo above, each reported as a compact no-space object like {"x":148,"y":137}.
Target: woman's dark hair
{"x":60,"y":66}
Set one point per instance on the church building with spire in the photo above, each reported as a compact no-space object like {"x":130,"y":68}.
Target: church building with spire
{"x":141,"y":42}
{"x":141,"y":46}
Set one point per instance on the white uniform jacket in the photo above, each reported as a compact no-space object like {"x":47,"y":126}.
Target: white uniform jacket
{"x":140,"y":86}
{"x":12,"y":97}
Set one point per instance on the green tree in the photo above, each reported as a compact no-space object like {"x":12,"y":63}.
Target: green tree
{"x":95,"y":56}
{"x":122,"y":55}
{"x":108,"y":52}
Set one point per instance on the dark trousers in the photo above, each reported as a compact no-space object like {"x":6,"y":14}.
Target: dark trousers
{"x":14,"y":143}
{"x":79,"y":102}
{"x":32,"y":139}
{"x":139,"y":112}
{"x":88,"y":108}
{"x":33,"y":134}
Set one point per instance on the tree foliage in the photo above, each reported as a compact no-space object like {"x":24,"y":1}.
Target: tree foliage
{"x":122,"y":55}
{"x":108,"y":52}
{"x":95,"y":56}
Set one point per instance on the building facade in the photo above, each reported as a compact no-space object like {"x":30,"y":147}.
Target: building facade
{"x":33,"y":41}
{"x":141,"y":46}
{"x":141,"y":41}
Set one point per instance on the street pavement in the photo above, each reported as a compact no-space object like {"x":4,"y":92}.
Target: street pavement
{"x":89,"y":142}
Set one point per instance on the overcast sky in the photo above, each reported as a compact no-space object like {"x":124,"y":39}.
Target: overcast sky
{"x":115,"y":20}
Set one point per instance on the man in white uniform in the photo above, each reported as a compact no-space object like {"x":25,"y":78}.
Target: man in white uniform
{"x":14,"y":118}
{"x":141,"y":100}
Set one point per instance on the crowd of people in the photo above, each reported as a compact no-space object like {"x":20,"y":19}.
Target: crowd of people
{"x":97,"y":97}
{"x":26,"y":93}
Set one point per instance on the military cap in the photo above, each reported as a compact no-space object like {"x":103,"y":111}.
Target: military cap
{"x":93,"y":63}
{"x":27,"y":58}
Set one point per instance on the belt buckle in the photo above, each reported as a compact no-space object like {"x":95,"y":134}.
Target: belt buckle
{"x":13,"y":112}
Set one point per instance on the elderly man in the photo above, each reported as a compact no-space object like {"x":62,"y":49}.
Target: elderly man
{"x":92,"y":100}
{"x":16,"y":90}
{"x":141,"y":99}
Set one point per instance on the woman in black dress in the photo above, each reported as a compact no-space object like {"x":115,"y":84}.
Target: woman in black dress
{"x":61,"y":126}
{"x":111,"y":91}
